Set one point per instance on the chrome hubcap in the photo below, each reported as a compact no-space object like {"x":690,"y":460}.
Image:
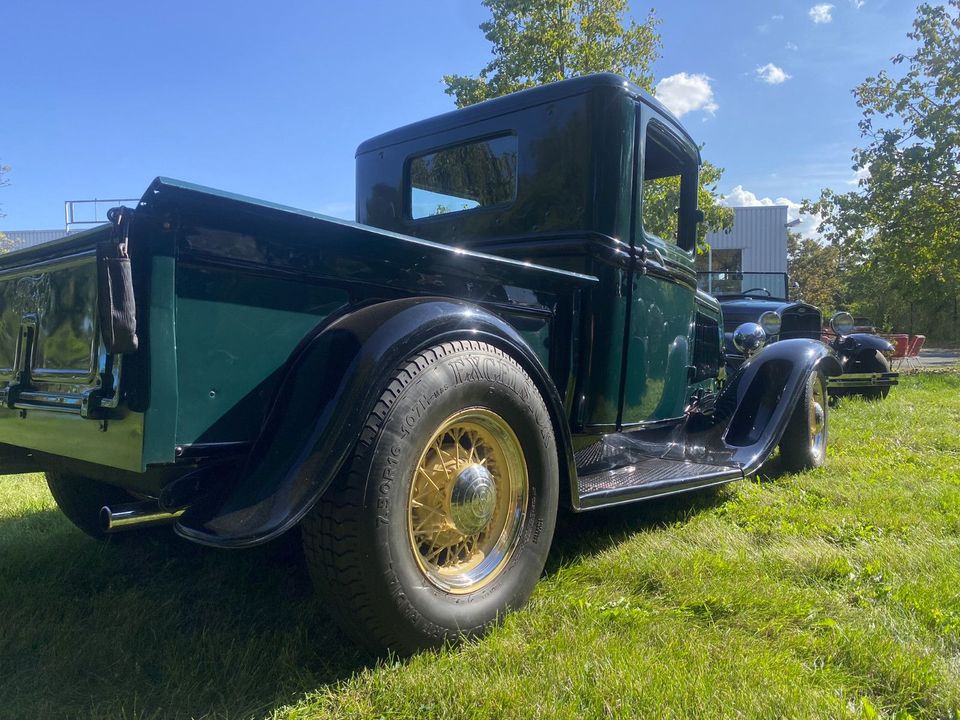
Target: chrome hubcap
{"x":473,"y":499}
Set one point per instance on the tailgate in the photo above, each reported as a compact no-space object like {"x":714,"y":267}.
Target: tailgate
{"x":58,"y":389}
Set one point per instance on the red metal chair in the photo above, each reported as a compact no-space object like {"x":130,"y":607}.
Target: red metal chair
{"x":901,"y":348}
{"x":913,"y":356}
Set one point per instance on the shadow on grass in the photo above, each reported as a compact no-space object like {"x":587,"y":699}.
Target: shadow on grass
{"x":580,"y":536}
{"x":153,"y":626}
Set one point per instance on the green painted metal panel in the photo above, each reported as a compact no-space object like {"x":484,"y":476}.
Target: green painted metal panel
{"x":69,"y":435}
{"x":50,"y":295}
{"x":606,"y":316}
{"x":160,"y":421}
{"x":659,"y":338}
{"x":234,"y":332}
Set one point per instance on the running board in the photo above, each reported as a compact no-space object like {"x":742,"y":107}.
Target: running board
{"x":863,"y":380}
{"x":647,"y":478}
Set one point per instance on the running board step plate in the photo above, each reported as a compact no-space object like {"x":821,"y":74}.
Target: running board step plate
{"x":649,"y":477}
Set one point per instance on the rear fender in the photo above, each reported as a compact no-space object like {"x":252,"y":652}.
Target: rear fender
{"x":333,"y":383}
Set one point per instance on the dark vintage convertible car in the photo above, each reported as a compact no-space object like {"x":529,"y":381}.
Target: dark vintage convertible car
{"x":512,"y":326}
{"x":763,"y":298}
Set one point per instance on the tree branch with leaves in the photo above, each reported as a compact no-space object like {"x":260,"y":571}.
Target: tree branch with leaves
{"x":540,"y":41}
{"x":899,"y":231}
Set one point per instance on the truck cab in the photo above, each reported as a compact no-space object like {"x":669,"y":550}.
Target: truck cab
{"x":589,"y":175}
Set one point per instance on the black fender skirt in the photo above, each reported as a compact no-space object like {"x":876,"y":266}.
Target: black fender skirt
{"x":333,"y":381}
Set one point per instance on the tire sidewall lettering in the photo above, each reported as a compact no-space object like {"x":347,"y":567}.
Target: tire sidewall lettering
{"x":456,"y":380}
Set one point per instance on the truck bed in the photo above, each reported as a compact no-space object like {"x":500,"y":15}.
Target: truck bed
{"x":226,"y":288}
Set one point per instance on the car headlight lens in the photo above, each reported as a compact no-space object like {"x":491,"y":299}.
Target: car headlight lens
{"x":842,"y":323}
{"x":770,"y":322}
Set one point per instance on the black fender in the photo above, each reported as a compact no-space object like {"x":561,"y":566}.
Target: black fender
{"x":858,"y":345}
{"x":332,"y":383}
{"x":754,"y":408}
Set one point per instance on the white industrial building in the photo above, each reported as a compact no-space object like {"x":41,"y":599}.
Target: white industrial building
{"x":17,"y":239}
{"x":757,"y":242}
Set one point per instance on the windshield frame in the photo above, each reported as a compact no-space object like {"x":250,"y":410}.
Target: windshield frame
{"x":708,"y":282}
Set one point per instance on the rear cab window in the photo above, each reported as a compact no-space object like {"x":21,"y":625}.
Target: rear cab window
{"x":470,"y":176}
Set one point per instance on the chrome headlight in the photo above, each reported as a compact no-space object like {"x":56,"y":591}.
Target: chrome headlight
{"x":842,"y":323}
{"x":770,"y":322}
{"x":749,"y":338}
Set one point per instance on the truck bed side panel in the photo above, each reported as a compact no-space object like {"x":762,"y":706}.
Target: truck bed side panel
{"x":250,"y":281}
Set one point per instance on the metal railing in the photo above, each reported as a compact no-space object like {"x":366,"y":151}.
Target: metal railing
{"x":90,"y":210}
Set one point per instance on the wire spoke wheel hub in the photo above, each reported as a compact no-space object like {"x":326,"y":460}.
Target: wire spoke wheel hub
{"x":467,"y":501}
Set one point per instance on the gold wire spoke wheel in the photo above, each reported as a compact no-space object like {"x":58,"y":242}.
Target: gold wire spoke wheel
{"x":818,"y":418}
{"x":467,"y":501}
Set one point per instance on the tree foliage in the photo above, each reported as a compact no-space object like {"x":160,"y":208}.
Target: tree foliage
{"x":540,"y":41}
{"x":899,"y":231}
{"x":662,"y":196}
{"x":815,"y":268}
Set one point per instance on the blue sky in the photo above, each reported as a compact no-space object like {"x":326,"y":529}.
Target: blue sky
{"x":272,"y":99}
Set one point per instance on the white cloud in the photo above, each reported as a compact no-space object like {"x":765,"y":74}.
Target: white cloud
{"x":860,"y":174}
{"x":776,"y":17}
{"x":683,"y":93}
{"x":857,"y":4}
{"x":791,"y":46}
{"x":821,"y":13}
{"x":739,"y":197}
{"x":771,"y":74}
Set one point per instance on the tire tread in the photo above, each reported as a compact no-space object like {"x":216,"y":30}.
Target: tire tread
{"x":332,"y":530}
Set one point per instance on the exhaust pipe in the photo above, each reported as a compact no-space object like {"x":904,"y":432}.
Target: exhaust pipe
{"x":132,"y":516}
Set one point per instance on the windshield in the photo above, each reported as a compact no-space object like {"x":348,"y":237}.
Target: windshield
{"x":754,"y":284}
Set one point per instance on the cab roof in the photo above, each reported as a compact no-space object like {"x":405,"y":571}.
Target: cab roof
{"x":539,"y":95}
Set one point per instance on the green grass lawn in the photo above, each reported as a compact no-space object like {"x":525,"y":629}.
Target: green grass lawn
{"x":834,"y":593}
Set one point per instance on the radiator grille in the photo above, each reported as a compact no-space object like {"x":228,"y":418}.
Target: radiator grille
{"x":802,"y":322}
{"x":706,"y":348}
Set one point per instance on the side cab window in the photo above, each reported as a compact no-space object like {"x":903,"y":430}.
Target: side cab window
{"x":669,"y":190}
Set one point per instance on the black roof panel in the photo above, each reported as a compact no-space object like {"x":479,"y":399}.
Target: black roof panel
{"x":516,"y":101}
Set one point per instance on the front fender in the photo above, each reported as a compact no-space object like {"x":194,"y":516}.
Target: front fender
{"x":857,"y":344}
{"x":761,"y":397}
{"x":332,"y":384}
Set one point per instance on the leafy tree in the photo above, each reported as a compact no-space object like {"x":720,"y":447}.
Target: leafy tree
{"x":900,"y":229}
{"x":662,"y":195}
{"x":540,"y":41}
{"x":815,"y":268}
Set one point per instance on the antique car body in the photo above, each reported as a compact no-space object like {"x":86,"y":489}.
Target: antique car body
{"x":275,"y":347}
{"x":747,"y":296}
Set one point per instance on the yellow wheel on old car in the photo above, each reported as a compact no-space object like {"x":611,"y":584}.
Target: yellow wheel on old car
{"x":803,"y":445}
{"x":467,"y":501}
{"x":444,"y":516}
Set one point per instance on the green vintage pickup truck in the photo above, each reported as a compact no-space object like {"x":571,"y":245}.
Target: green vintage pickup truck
{"x":513,"y":325}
